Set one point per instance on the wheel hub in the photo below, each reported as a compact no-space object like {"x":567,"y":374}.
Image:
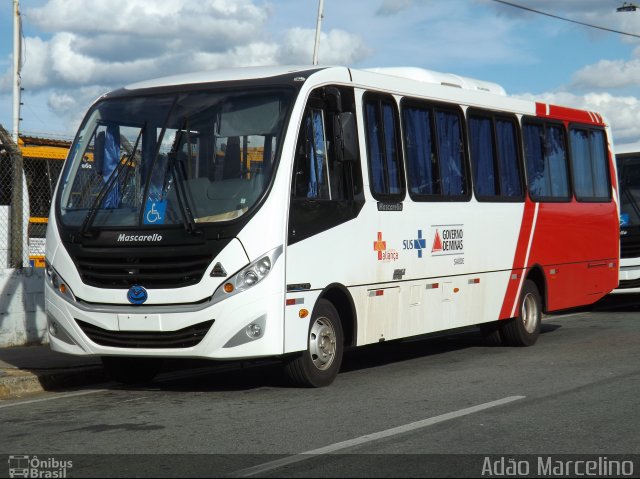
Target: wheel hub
{"x":530,"y":313}
{"x":322,"y":343}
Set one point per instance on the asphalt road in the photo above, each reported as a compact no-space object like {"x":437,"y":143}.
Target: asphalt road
{"x":431,"y":407}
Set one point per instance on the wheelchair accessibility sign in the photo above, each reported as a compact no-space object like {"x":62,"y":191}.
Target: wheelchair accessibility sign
{"x":154,"y":212}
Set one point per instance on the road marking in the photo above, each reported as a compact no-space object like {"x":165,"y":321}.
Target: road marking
{"x":358,"y":441}
{"x":134,"y":399}
{"x":51,"y":398}
{"x":560,"y":316}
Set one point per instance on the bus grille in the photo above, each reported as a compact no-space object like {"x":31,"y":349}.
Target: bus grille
{"x":630,"y":246}
{"x":183,"y":338}
{"x":112,"y":269}
{"x":629,"y":283}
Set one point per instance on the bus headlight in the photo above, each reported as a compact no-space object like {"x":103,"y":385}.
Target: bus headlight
{"x":248,"y":276}
{"x":58,"y":284}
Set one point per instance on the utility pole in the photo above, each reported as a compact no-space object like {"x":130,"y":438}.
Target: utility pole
{"x":16,"y":70}
{"x":17,"y":203}
{"x":316,"y":45}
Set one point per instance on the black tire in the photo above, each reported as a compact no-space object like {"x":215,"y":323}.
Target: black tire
{"x":491,"y":333}
{"x":524,"y":329}
{"x":131,"y":370}
{"x":319,"y":365}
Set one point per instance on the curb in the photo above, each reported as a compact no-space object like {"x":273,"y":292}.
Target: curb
{"x":16,"y":383}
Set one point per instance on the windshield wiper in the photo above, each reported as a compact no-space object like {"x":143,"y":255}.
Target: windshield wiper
{"x":106,"y":188}
{"x":632,"y":201}
{"x":131,"y":157}
{"x":179,"y":178}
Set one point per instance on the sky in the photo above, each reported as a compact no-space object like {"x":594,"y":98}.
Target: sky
{"x":75,"y":50}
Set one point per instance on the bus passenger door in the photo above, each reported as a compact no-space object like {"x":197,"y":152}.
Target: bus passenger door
{"x":326,"y":198}
{"x":326,"y":187}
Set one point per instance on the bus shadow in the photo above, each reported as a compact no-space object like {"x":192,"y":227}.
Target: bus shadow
{"x":618,"y":303}
{"x":245,"y":376}
{"x":420,"y":347}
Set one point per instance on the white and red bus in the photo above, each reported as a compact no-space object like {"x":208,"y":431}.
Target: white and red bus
{"x":295,"y":212}
{"x":628,"y":162}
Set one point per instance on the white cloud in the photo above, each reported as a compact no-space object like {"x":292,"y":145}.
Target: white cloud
{"x":336,"y":47}
{"x":96,"y":47}
{"x":223,"y":22}
{"x":35,"y":70}
{"x":62,"y":102}
{"x":70,"y":106}
{"x":608,"y":74}
{"x":253,"y":54}
{"x":391,"y":7}
{"x":116,"y":42}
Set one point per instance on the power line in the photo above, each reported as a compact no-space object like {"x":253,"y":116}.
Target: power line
{"x":522,"y":7}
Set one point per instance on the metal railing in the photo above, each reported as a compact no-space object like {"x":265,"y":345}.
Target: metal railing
{"x":29,"y":172}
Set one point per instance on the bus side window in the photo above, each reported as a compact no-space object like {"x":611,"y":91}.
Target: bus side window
{"x":589,"y":164}
{"x":435,"y":151}
{"x":386,"y":174}
{"x":546,"y":161}
{"x":451,"y":153}
{"x":495,"y":162}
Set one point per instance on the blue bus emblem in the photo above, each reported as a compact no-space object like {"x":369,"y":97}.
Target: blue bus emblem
{"x":624,"y":219}
{"x":137,"y":294}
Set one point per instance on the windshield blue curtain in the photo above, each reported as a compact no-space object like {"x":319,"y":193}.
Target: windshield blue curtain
{"x":312,"y":190}
{"x":509,"y":167}
{"x":319,"y":155}
{"x":111,"y":161}
{"x":450,"y":149}
{"x":315,"y":134}
{"x":599,"y":164}
{"x":581,"y":163}
{"x":482,"y":155}
{"x":419,"y":150}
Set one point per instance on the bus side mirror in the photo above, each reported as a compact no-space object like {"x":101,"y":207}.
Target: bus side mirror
{"x":333,"y":99}
{"x":349,"y":134}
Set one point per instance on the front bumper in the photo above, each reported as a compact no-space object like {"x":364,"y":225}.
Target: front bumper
{"x":194,"y":331}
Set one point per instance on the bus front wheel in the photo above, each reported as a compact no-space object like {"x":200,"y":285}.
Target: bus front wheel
{"x":524,"y":329}
{"x":318,"y":366}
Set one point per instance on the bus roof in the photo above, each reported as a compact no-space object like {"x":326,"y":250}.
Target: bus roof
{"x":246,"y":73}
{"x":472,"y":92}
{"x":227,"y":74}
{"x":627,"y":148}
{"x":439,"y":78}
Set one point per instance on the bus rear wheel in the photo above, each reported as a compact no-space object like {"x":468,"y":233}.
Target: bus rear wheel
{"x":318,"y":366}
{"x":131,"y":370}
{"x":524,"y":329}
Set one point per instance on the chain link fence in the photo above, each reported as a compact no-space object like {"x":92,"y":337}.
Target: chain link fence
{"x":28,"y":176}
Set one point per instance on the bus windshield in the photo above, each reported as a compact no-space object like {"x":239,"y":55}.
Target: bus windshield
{"x":182,"y":158}
{"x":629,"y":179}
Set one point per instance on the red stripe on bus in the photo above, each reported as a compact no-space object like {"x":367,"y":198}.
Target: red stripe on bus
{"x":519,"y":259}
{"x":567,"y":114}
